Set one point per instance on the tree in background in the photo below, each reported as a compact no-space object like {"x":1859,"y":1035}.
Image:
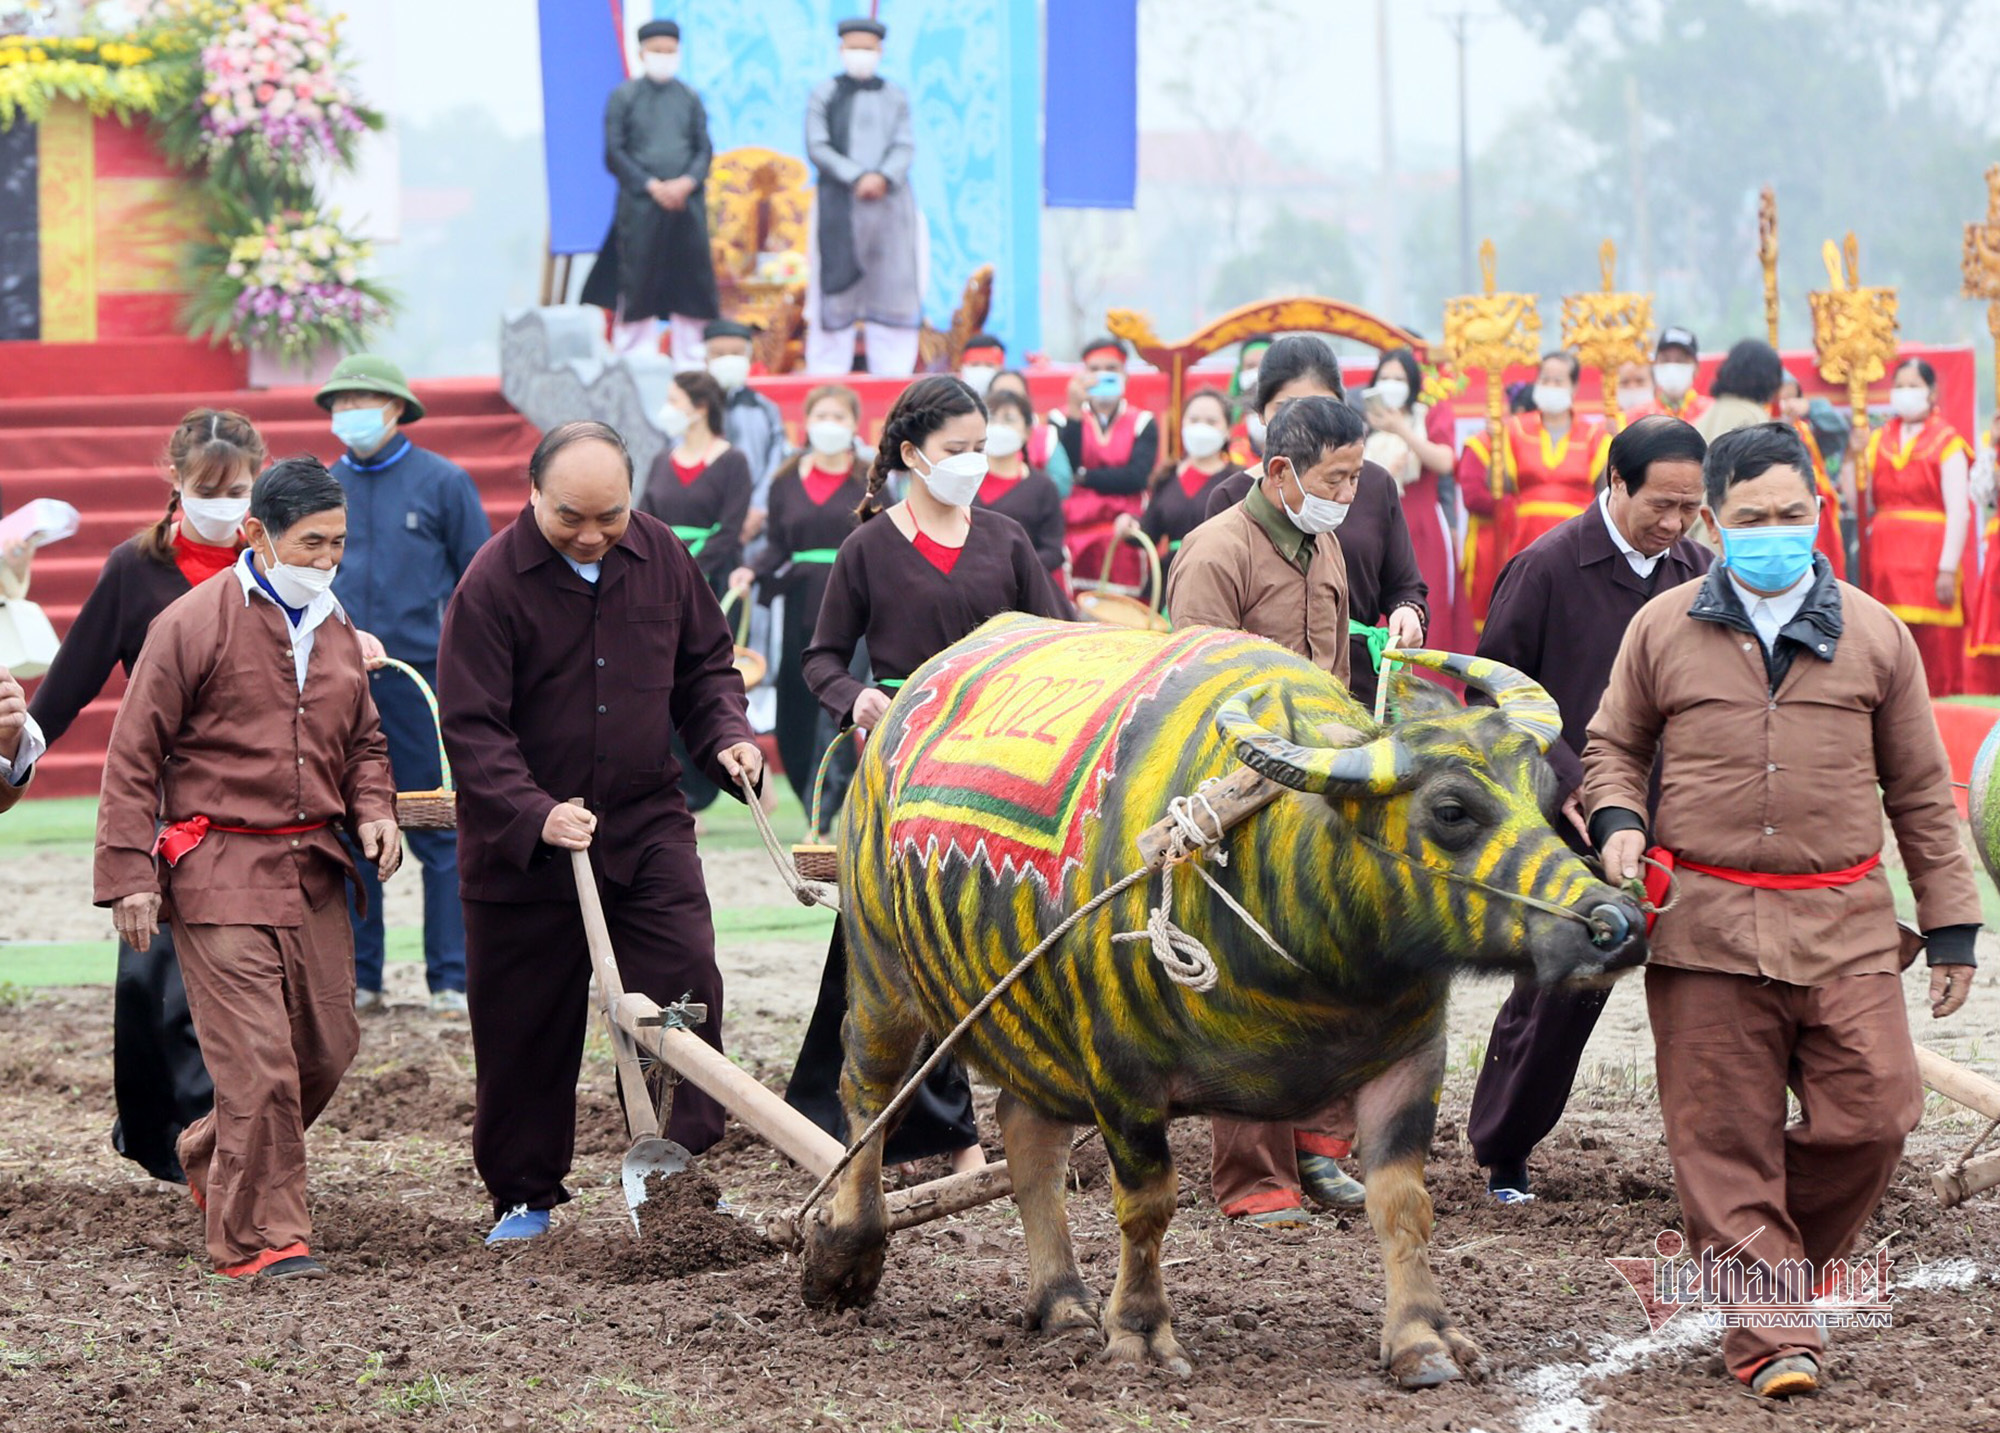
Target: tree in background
{"x":1293,"y":255}
{"x":1864,"y":115}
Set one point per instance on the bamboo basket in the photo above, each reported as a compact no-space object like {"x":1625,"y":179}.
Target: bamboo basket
{"x":427,"y":810}
{"x":1118,"y":606}
{"x":814,"y":858}
{"x":750,"y":663}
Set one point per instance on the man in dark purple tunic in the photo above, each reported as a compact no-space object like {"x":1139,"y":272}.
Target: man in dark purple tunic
{"x":579,"y":641}
{"x":1559,"y":613}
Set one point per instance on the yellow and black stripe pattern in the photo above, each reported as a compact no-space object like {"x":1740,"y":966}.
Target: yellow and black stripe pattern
{"x":1344,"y":874}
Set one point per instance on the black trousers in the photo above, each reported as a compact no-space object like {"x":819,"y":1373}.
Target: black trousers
{"x":528,"y":984}
{"x":1531,"y":1061}
{"x":157,"y":1076}
{"x":938,"y":1121}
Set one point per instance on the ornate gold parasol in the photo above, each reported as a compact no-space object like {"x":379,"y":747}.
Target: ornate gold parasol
{"x":1488,"y":331}
{"x":1607,"y":328}
{"x":1767,"y":255}
{"x":1854,"y":328}
{"x":1982,"y":268}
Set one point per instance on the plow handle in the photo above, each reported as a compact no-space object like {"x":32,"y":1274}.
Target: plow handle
{"x":638,"y":1100}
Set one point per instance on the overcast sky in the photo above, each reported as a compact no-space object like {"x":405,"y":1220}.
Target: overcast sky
{"x":1326,"y":75}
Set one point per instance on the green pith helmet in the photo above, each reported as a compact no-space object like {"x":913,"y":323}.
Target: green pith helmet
{"x":367,"y":373}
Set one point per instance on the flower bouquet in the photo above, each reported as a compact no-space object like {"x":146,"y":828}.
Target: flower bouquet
{"x":274,"y":95}
{"x":106,"y":76}
{"x":290,"y":285}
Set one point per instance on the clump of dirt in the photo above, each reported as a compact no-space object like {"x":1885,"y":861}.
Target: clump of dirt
{"x":397,"y":1102}
{"x":681,"y":1232}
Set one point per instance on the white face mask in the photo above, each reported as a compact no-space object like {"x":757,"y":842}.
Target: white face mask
{"x":661,"y":66}
{"x":1004,"y":440}
{"x":675,"y":422}
{"x":978,"y":377}
{"x":1673,"y":379}
{"x":731,"y":370}
{"x":1637,"y":396}
{"x":1393,"y":394}
{"x":830,"y":437}
{"x":1202,"y":440}
{"x":1255,"y":428}
{"x":1909,"y":404}
{"x":1315,"y":515}
{"x":954,"y":481}
{"x":859,"y":63}
{"x":214,"y":520}
{"x":1551,"y":399}
{"x":297,"y":586}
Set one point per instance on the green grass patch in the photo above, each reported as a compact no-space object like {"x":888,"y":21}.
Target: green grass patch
{"x":78,"y":962}
{"x":70,"y":821}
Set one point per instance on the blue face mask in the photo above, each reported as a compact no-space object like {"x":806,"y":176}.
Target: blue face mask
{"x":1108,"y":385}
{"x":1769,"y":559}
{"x":362,"y":429}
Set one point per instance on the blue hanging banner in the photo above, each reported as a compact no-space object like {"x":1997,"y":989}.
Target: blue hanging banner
{"x":1090,"y":132}
{"x":583,"y":61}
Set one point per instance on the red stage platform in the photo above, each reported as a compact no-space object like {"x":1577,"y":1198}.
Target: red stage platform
{"x":105,"y":456}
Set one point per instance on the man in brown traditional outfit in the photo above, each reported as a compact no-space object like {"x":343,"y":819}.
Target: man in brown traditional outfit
{"x":1788,"y":711}
{"x":249,"y":732}
{"x":1270,"y":565}
{"x":579,"y":642}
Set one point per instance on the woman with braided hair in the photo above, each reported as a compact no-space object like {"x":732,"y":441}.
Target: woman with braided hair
{"x":911,"y":580}
{"x":211,"y":460}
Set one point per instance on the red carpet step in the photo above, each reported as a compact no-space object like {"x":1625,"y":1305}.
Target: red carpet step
{"x":106,"y":456}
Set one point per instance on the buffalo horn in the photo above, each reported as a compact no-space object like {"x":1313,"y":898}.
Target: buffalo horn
{"x":1375,"y":768}
{"x":1522,"y":701}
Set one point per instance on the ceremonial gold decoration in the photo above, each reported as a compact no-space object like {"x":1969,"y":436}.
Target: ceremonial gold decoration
{"x":1854,"y":328}
{"x":1488,"y":331}
{"x":1280,"y":316}
{"x":759,"y":203}
{"x":1607,"y":328}
{"x":1767,"y":256}
{"x":1982,"y":268}
{"x":936,"y":349}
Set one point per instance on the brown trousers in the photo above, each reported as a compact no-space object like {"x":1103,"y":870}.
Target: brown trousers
{"x":273,"y":1007}
{"x":1726,"y":1048}
{"x":1255,"y":1165}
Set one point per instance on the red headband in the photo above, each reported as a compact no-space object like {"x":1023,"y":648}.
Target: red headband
{"x":992,"y":348}
{"x":1104,"y":348}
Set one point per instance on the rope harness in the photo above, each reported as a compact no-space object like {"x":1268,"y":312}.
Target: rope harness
{"x":1184,"y":959}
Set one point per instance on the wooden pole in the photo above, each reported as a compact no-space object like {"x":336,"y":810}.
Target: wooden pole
{"x":1956,"y":1083}
{"x":642,"y":1118}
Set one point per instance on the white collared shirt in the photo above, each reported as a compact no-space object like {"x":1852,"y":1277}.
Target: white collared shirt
{"x":588,"y":571}
{"x":1770,"y":614}
{"x":317,"y":611}
{"x":33,"y":744}
{"x":1641,"y":564}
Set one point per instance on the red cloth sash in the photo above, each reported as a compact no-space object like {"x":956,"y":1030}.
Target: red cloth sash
{"x":1658,"y":880}
{"x":178,"y":838}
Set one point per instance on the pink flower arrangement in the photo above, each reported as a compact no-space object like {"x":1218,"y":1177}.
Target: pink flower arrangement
{"x":275,"y":79}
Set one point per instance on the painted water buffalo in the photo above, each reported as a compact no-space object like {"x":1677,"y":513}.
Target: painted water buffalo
{"x":1009,"y":783}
